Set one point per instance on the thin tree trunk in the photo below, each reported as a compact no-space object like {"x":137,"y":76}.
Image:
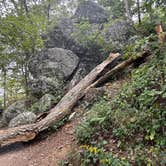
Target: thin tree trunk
{"x":4,"y":86}
{"x":138,"y":11}
{"x":26,"y":77}
{"x":128,"y":10}
{"x":24,"y":7}
{"x":48,"y":11}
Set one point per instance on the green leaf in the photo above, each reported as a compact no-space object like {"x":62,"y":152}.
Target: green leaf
{"x":152,"y":134}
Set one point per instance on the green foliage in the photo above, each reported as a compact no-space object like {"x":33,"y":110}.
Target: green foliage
{"x":94,"y":122}
{"x":136,"y":117}
{"x":20,"y":37}
{"x":115,"y":8}
{"x":86,"y":36}
{"x":146,"y":28}
{"x":133,"y":50}
{"x":22,"y":33}
{"x":91,"y":37}
{"x":97,"y":156}
{"x":58,"y":124}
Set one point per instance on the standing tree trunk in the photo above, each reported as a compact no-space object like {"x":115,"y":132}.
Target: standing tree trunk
{"x":128,"y":10}
{"x":4,"y":87}
{"x":24,"y":7}
{"x":138,"y":11}
{"x":48,"y":11}
{"x":25,"y":75}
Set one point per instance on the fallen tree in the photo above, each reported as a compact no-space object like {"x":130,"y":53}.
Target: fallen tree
{"x":63,"y":108}
{"x":120,"y":67}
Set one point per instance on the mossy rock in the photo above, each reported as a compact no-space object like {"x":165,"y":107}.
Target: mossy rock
{"x":44,"y":104}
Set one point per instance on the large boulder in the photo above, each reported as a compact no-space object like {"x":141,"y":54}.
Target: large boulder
{"x":63,"y":35}
{"x":2,"y":123}
{"x":60,"y":36}
{"x":91,"y":11}
{"x":22,"y":119}
{"x":13,"y":110}
{"x":66,"y":32}
{"x":53,"y":62}
{"x":50,"y":68}
{"x":44,"y":104}
{"x":78,"y":75}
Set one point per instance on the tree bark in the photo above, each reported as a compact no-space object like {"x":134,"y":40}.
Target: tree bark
{"x":4,"y":87}
{"x":119,"y":68}
{"x":138,"y":11}
{"x":128,"y":10}
{"x":62,"y":109}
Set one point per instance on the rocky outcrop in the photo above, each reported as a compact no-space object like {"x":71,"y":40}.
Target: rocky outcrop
{"x":2,"y":122}
{"x":13,"y":110}
{"x":44,"y":104}
{"x":22,"y":119}
{"x":91,"y":11}
{"x":62,"y":34}
{"x":119,"y":33}
{"x":50,"y":68}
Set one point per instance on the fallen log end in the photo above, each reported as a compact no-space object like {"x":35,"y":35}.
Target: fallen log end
{"x":113,"y":55}
{"x":20,"y":138}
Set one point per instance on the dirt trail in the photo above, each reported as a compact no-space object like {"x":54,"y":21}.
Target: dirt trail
{"x":46,"y":152}
{"x":52,"y":149}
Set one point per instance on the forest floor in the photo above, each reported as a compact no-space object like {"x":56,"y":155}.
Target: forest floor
{"x":49,"y":149}
{"x":43,"y":152}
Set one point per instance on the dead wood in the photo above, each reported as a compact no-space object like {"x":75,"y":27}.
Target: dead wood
{"x":62,"y":109}
{"x":120,"y":67}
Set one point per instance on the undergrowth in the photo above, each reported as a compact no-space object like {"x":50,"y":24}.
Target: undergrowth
{"x":136,"y":118}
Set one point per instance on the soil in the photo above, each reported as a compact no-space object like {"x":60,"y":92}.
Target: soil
{"x":49,"y":149}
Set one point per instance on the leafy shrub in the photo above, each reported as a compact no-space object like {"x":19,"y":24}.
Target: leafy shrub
{"x":146,"y":28}
{"x":135,"y":47}
{"x":96,"y":156}
{"x":95,"y":121}
{"x":137,"y":117}
{"x":90,"y":36}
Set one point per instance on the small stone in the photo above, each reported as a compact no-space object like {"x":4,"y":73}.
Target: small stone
{"x":22,"y":119}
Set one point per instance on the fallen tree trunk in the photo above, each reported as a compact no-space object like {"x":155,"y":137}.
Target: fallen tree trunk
{"x":119,"y":68}
{"x":62,"y":109}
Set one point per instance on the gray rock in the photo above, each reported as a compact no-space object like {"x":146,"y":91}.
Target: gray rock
{"x":44,"y":104}
{"x":50,"y":68}
{"x":2,"y":122}
{"x":91,"y":11}
{"x":13,"y":110}
{"x":61,"y":36}
{"x":119,"y":33}
{"x":79,"y":75}
{"x":53,"y":62}
{"x":43,"y":85}
{"x":22,"y":119}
